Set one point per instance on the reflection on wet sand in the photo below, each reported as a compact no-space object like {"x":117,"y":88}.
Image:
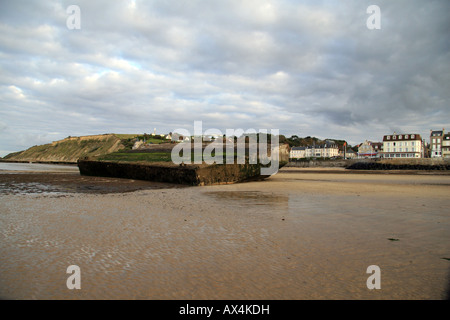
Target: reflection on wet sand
{"x":59,"y":183}
{"x":249,"y":198}
{"x":288,"y":237}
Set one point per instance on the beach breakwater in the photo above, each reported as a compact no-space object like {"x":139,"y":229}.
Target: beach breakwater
{"x":376,"y":164}
{"x":189,"y":174}
{"x":403,"y":164}
{"x":323,"y":163}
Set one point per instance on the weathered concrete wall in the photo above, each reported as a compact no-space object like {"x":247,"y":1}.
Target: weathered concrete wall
{"x":401,"y":165}
{"x":417,"y":161}
{"x":167,"y":172}
{"x":323,"y":163}
{"x":377,"y":164}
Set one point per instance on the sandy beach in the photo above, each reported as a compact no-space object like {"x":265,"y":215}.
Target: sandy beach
{"x":301,"y":234}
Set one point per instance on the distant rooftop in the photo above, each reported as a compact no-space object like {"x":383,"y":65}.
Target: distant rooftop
{"x":437,"y":132}
{"x":413,"y":136}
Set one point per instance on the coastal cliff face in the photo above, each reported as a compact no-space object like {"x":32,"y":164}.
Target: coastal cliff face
{"x":69,"y":150}
{"x":284,"y":152}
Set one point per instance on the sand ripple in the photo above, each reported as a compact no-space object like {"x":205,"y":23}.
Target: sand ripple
{"x":294,"y":236}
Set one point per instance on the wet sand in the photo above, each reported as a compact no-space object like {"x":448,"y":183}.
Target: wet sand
{"x":298,"y":235}
{"x":51,"y":183}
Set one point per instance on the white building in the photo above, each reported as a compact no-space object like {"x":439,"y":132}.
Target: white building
{"x":327,"y":150}
{"x":402,"y":146}
{"x":297,"y":152}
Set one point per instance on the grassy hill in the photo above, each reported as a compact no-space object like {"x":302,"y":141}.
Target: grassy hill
{"x":71,"y":149}
{"x":296,"y":141}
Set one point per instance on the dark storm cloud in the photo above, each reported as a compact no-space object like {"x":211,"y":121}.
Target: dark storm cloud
{"x":307,"y":68}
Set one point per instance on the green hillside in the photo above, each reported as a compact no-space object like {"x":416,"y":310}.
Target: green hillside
{"x":70,"y":149}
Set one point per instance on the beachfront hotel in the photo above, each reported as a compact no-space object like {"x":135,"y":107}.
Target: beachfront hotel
{"x":402,"y":146}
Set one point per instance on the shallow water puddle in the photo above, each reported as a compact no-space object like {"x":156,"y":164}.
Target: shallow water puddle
{"x":249,"y":197}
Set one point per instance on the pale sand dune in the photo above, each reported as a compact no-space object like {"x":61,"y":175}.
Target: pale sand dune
{"x":295,"y":236}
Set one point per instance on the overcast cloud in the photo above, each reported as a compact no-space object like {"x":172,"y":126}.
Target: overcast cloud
{"x":304,"y":67}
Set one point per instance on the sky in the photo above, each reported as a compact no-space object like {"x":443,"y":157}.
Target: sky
{"x":306,"y":68}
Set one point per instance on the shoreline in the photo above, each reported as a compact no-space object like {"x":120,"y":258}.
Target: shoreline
{"x":40,"y":162}
{"x":320,"y":169}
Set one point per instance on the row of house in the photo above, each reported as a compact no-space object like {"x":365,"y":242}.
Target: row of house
{"x":393,"y":146}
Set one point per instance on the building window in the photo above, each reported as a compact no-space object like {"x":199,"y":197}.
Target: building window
{"x":406,"y":136}
{"x":412,"y":136}
{"x":388,"y":137}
